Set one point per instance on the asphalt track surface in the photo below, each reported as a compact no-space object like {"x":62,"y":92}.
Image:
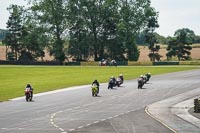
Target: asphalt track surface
{"x":120,"y":110}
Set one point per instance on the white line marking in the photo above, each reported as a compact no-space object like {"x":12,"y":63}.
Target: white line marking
{"x":55,"y":126}
{"x":71,"y":129}
{"x":59,"y":112}
{"x":96,"y":122}
{"x":61,"y":129}
{"x":103,"y":119}
{"x":80,"y":127}
{"x":122,"y":113}
{"x":88,"y":124}
{"x":115,"y":116}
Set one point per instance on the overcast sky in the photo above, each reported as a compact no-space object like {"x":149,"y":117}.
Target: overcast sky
{"x":173,"y":14}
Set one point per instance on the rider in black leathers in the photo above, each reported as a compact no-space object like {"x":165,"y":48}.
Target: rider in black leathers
{"x":97,"y":83}
{"x":122,"y":78}
{"x":112,"y":82}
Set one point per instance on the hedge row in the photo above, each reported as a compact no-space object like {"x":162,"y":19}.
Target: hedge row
{"x":91,"y":63}
{"x":2,"y":62}
{"x":166,"y":63}
{"x":189,"y":63}
{"x":135,"y":63}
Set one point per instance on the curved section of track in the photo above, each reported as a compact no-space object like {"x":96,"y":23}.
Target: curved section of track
{"x":117,"y":110}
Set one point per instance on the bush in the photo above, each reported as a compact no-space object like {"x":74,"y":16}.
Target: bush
{"x":2,"y":62}
{"x":166,"y":63}
{"x":138,"y":63}
{"x":189,"y":62}
{"x":90,"y":63}
{"x":77,"y":63}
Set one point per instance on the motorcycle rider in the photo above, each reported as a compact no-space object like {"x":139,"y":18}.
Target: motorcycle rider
{"x":97,"y":83}
{"x":28,"y":86}
{"x":148,"y":75}
{"x":141,"y":81}
{"x":122,"y":78}
{"x":112,"y":82}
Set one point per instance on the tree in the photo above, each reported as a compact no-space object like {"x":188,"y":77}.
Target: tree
{"x":92,"y":25}
{"x":3,"y":34}
{"x":180,"y":45}
{"x":134,"y":14}
{"x":52,"y":17}
{"x":150,"y":38}
{"x":107,"y":27}
{"x":197,"y":39}
{"x":15,"y":27}
{"x":24,"y":38}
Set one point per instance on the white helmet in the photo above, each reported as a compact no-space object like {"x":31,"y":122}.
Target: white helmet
{"x":141,"y":76}
{"x":120,"y":75}
{"x":112,"y":76}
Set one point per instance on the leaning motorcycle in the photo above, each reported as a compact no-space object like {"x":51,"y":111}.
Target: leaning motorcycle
{"x":119,"y":81}
{"x":148,"y":75}
{"x":94,"y":90}
{"x":28,"y":94}
{"x":140,"y":83}
{"x":111,"y":84}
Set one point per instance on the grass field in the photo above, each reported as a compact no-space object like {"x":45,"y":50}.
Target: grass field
{"x":13,"y":79}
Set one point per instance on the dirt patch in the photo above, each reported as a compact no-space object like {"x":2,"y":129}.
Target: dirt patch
{"x":3,"y":54}
{"x":144,"y":51}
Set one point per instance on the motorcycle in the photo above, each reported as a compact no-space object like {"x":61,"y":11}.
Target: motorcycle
{"x":140,"y":83}
{"x":119,"y":81}
{"x":94,"y":90}
{"x":148,"y":75}
{"x":28,"y":94}
{"x":111,"y":84}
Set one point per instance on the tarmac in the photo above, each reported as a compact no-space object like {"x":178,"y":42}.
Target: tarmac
{"x":177,"y":112}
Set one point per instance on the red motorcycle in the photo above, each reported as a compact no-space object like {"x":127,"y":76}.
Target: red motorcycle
{"x":28,"y":94}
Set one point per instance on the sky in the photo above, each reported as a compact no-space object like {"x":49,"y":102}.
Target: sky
{"x":173,"y":14}
{"x":177,"y":14}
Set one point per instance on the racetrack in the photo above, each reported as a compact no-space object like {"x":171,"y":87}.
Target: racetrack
{"x":120,"y":110}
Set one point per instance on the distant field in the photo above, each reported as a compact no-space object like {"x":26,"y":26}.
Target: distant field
{"x":45,"y":78}
{"x":144,"y":51}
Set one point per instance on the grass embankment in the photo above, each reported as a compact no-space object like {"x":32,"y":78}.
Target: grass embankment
{"x":45,"y":78}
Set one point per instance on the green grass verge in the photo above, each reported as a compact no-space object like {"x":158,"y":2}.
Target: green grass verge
{"x":46,"y":78}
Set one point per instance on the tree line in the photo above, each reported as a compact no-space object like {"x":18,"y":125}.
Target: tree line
{"x":82,"y":29}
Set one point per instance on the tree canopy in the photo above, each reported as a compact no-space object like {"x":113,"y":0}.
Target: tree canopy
{"x":92,"y":28}
{"x":180,"y":45}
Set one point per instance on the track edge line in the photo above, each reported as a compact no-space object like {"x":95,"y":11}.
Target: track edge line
{"x":148,"y":113}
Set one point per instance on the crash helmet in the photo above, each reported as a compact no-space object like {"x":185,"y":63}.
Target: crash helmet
{"x":28,"y":85}
{"x":120,"y":75}
{"x":141,"y":76}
